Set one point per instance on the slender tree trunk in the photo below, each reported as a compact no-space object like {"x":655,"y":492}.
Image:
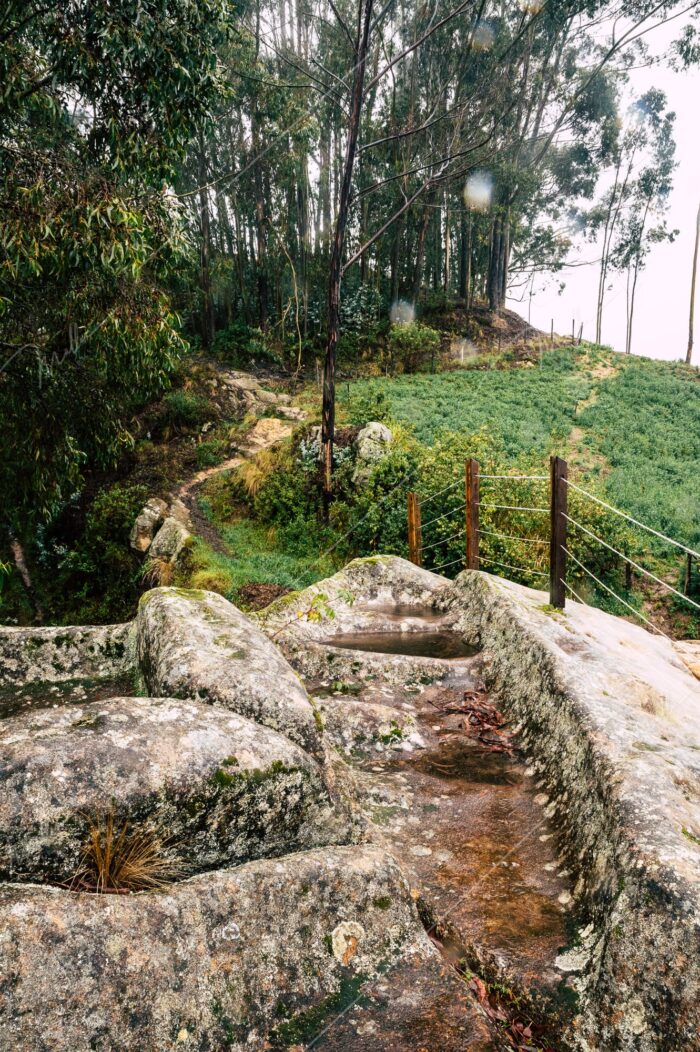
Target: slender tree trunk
{"x":420,"y":251}
{"x":336,"y":262}
{"x":691,"y":322}
{"x":208,"y":324}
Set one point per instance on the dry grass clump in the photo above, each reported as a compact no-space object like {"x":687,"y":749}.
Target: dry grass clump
{"x":255,"y":472}
{"x":120,"y":857}
{"x":158,"y":573}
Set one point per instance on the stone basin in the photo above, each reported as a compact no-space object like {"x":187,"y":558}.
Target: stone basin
{"x":445,"y":645}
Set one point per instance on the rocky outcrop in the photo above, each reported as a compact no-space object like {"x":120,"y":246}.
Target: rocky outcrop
{"x":611,"y":720}
{"x":356,"y":599}
{"x":147,"y":523}
{"x":219,"y":961}
{"x":170,"y":542}
{"x":198,"y":645}
{"x":58,"y":655}
{"x":371,"y":445}
{"x":240,"y":393}
{"x":209,"y":786}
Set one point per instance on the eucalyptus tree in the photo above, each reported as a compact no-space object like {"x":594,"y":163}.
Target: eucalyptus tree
{"x":98,"y":101}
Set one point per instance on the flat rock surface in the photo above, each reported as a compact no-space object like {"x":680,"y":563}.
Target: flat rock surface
{"x":198,"y":645}
{"x":220,"y":961}
{"x":53,"y":655}
{"x":215,"y":786}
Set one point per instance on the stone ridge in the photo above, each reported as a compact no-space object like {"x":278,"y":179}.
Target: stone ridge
{"x":55,"y":655}
{"x":214,"y":788}
{"x":215,"y":962}
{"x":198,"y":645}
{"x":611,"y":719}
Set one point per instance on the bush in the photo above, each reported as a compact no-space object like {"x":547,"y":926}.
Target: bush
{"x":99,"y":580}
{"x":210,"y":453}
{"x":410,"y":346}
{"x":184,"y":410}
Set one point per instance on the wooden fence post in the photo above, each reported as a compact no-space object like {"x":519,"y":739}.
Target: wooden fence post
{"x":558,"y":470}
{"x":471,"y":510}
{"x":415,"y":540}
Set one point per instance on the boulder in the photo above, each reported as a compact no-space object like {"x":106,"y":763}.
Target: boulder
{"x":194,"y":644}
{"x":371,"y":445}
{"x":179,"y":511}
{"x":147,"y":523}
{"x":170,"y":542}
{"x":265,"y":955}
{"x":610,"y":718}
{"x":213,"y":787}
{"x":59,"y":655}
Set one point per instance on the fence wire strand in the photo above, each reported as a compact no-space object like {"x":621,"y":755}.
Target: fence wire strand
{"x":513,"y":537}
{"x":444,"y":540}
{"x":447,"y":514}
{"x":636,"y":565}
{"x":529,"y":478}
{"x":439,"y":492}
{"x":624,"y":515}
{"x":614,"y":594}
{"x":436,"y":569}
{"x":511,"y":507}
{"x":508,"y":566}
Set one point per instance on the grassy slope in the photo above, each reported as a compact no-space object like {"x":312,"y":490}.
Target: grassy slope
{"x":634,"y":421}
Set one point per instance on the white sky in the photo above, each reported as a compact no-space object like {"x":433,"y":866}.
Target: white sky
{"x":663,"y":288}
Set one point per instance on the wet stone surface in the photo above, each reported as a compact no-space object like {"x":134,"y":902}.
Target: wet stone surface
{"x":468,"y":825}
{"x":446,"y":645}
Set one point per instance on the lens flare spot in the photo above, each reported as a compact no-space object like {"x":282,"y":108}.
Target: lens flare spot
{"x":402,"y":313}
{"x":478,"y":191}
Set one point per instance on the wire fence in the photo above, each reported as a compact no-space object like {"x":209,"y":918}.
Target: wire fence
{"x":535,"y":541}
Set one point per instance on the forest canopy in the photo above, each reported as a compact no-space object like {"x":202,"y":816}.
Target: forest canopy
{"x":180,"y":173}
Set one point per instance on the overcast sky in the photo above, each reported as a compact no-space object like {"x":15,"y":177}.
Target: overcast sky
{"x":663,"y":289}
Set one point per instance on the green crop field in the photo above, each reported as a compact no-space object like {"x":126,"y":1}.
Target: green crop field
{"x":634,"y":423}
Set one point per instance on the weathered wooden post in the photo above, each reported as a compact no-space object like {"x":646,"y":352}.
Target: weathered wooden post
{"x":471,"y":511}
{"x":415,"y":540}
{"x":558,"y":470}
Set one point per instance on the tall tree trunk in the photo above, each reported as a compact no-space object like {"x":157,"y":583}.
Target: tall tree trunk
{"x":364,"y":19}
{"x":208,"y":324}
{"x":420,"y":250}
{"x":260,"y":229}
{"x":691,"y":322}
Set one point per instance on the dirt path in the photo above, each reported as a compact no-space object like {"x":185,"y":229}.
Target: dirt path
{"x":267,"y":433}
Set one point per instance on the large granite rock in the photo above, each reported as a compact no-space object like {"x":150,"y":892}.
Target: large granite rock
{"x":611,"y":719}
{"x":198,"y":645}
{"x":371,"y":445}
{"x":359,"y":598}
{"x":147,"y":523}
{"x":57,"y":655}
{"x":211,"y":786}
{"x":171,"y":541}
{"x":221,"y":961}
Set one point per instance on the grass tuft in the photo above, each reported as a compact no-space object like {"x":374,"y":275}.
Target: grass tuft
{"x":121,"y":857}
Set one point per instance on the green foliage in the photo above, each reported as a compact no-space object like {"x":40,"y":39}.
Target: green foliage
{"x":412,"y":346}
{"x":97,"y":103}
{"x":528,"y":408}
{"x":212,"y":452}
{"x":97,"y":580}
{"x":364,"y":405}
{"x":241,"y":345}
{"x":184,"y":410}
{"x":646,"y":422}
